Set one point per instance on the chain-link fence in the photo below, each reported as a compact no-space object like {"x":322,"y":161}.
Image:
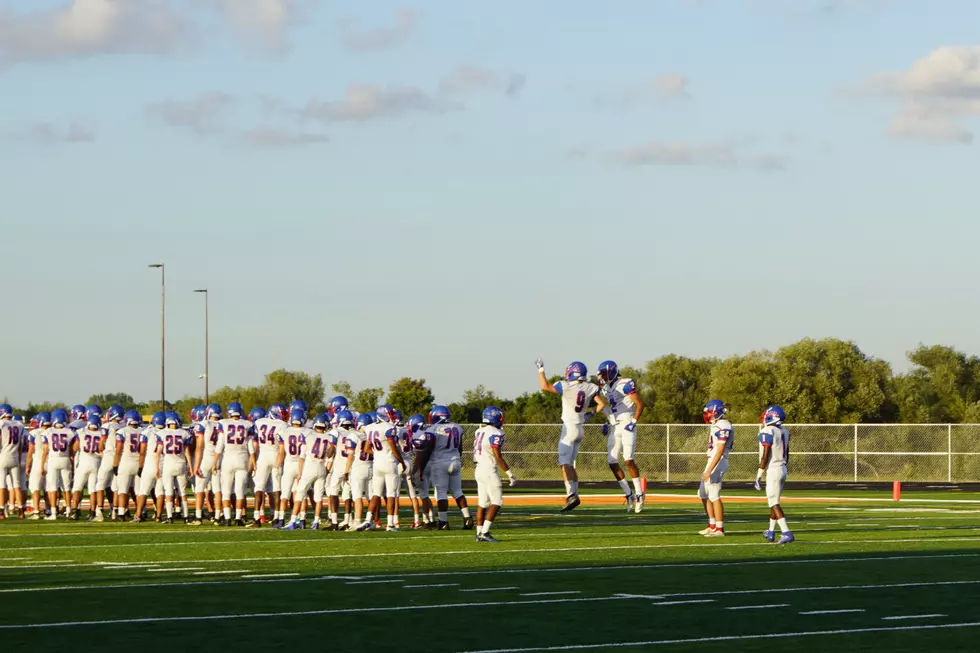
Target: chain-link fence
{"x":818,"y":452}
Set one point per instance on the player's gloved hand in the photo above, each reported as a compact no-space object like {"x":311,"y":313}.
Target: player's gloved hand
{"x":511,"y":479}
{"x":540,"y":364}
{"x":115,"y":470}
{"x":605,"y":429}
{"x":758,"y":480}
{"x":631,"y":427}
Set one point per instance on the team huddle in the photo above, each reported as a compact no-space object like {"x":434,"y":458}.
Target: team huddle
{"x":290,"y":463}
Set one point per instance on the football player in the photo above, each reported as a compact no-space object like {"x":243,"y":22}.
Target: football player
{"x":721,"y":439}
{"x":206,"y":434}
{"x":267,"y":429}
{"x":773,"y":457}
{"x":148,"y":470}
{"x":89,"y":444}
{"x":443,"y":452}
{"x":420,"y":442}
{"x":487,"y":443}
{"x":106,"y":480}
{"x":382,"y":439}
{"x":77,"y":417}
{"x":406,"y":434}
{"x":173,"y":443}
{"x":291,"y":441}
{"x":236,"y":451}
{"x":623,"y":412}
{"x":359,"y":466}
{"x":576,"y":398}
{"x":127,"y":461}
{"x":20,"y":495}
{"x":344,"y":422}
{"x":58,"y":458}
{"x":35,"y":473}
{"x":11,"y":434}
{"x":312,"y":472}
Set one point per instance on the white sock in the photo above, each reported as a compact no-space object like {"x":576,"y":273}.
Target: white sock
{"x":397,"y":523}
{"x":782,"y":525}
{"x":391,"y":521}
{"x":256,"y":514}
{"x":443,"y":517}
{"x":316,"y":520}
{"x":198,"y":513}
{"x":466,"y":512}
{"x":711,"y":521}
{"x":238,"y":513}
{"x":333,"y":518}
{"x":415,"y":518}
{"x":637,"y":487}
{"x":486,"y":526}
{"x":98,"y":511}
{"x":568,"y":489}
{"x":574,"y":487}
{"x":170,"y":511}
{"x":227,"y":513}
{"x":369,"y":517}
{"x":292,"y":519}
{"x":120,"y":511}
{"x":772,"y":524}
{"x":720,"y":525}
{"x":625,"y":486}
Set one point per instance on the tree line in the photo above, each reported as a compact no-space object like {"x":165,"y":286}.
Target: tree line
{"x":815,"y":381}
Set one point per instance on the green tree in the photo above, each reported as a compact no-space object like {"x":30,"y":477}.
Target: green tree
{"x":410,"y":396}
{"x":342,"y":388}
{"x":943,"y":386}
{"x":470,"y":409}
{"x":108,"y":399}
{"x":674,"y":388}
{"x":283,"y":386}
{"x":366,"y":400}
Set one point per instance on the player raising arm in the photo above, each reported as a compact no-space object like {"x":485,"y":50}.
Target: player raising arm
{"x":774,"y":454}
{"x":576,"y":395}
{"x":487,"y":443}
{"x":721,"y":439}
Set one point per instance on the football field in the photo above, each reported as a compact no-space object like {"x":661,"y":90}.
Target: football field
{"x":867,"y":574}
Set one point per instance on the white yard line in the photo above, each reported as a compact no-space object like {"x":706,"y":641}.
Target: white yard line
{"x":157,"y":571}
{"x":226,"y":571}
{"x":758,"y":607}
{"x":913,"y":616}
{"x":551,"y":593}
{"x":271,"y":575}
{"x":305,"y":613}
{"x":490,"y":589}
{"x":374,"y":582}
{"x":685,"y":602}
{"x":728,"y":638}
{"x":415,"y":587}
{"x":810,"y":612}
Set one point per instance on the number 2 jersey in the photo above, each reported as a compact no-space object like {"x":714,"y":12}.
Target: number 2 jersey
{"x":575,"y":399}
{"x":619,"y":395}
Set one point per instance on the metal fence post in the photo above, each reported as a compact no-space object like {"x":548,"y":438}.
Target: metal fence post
{"x":949,"y":452}
{"x":855,"y":453}
{"x":668,"y":454}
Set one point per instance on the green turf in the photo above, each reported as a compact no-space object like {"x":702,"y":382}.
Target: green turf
{"x":60,"y":572}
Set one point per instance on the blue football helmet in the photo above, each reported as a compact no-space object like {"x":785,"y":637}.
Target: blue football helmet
{"x":235,"y":409}
{"x":59,"y":417}
{"x":399,"y":418}
{"x":96,"y":410}
{"x":171,"y":417}
{"x":608,"y":372}
{"x":213,"y":411}
{"x":365,"y":419}
{"x":493,"y":416}
{"x":256,"y":413}
{"x":44,"y":418}
{"x":115,"y":412}
{"x":77,"y":412}
{"x":344,"y":418}
{"x":338,"y":404}
{"x":94,"y":423}
{"x":159,"y":419}
{"x":133,"y":418}
{"x":575,"y":371}
{"x":18,"y":418}
{"x":774,"y":415}
{"x":297,"y":416}
{"x":438,"y":415}
{"x":416,"y":423}
{"x":714,"y":410}
{"x":298,"y":403}
{"x":278,"y":411}
{"x":6,"y":411}
{"x":321,"y":421}
{"x":385,"y":413}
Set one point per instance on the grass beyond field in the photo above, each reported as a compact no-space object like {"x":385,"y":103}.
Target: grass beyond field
{"x":861,"y":576}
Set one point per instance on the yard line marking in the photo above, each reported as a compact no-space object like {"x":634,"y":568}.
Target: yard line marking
{"x":654,"y":597}
{"x":551,"y":593}
{"x":176,"y":569}
{"x":827,"y":588}
{"x":490,"y":589}
{"x":303,"y":613}
{"x":412,"y":587}
{"x":913,"y":616}
{"x":758,"y":607}
{"x":684,"y":602}
{"x":833,"y":611}
{"x":728,"y":638}
{"x":374,"y":582}
{"x":270,"y":575}
{"x":226,"y":571}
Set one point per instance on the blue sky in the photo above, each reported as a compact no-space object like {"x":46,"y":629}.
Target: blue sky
{"x":447,"y":190}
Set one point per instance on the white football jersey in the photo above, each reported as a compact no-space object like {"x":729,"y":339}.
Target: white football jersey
{"x":405,"y":441}
{"x":10,"y":436}
{"x":722,"y":434}
{"x":777,"y":439}
{"x":377,"y":439}
{"x":363,"y":459}
{"x":315,"y":448}
{"x":109,"y":430}
{"x":292,"y":439}
{"x":620,"y":394}
{"x":208,"y":429}
{"x":235,"y":438}
{"x":575,"y":399}
{"x":59,"y":441}
{"x":485,"y":439}
{"x":267,"y":431}
{"x":129,"y":439}
{"x":172,"y":443}
{"x":448,"y":438}
{"x":90,"y":442}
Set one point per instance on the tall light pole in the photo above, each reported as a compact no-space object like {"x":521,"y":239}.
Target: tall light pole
{"x":163,"y":336}
{"x":207,"y":396}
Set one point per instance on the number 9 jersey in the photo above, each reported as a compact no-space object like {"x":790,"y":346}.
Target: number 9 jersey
{"x":575,"y":399}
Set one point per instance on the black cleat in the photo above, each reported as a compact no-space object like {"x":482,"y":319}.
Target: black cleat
{"x":443,"y":526}
{"x":467,"y":523}
{"x":571,"y":504}
{"x":240,"y":522}
{"x":167,"y":520}
{"x":332,"y":527}
{"x":255,"y":523}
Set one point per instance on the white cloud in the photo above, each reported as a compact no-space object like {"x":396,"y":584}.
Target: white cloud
{"x":49,"y":133}
{"x":366,"y":102}
{"x":201,"y":114}
{"x":937,"y":95}
{"x":382,"y":37}
{"x":90,"y":27}
{"x":262,"y":24}
{"x":466,"y":78}
{"x":682,"y":153}
{"x":280,"y":138}
{"x":671,"y":85}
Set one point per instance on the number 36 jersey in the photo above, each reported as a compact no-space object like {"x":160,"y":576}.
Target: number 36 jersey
{"x":575,"y":399}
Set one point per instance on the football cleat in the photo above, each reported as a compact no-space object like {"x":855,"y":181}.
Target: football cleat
{"x":137,"y":519}
{"x":278,"y":524}
{"x":194,"y":522}
{"x":640,"y":500}
{"x":35,"y":516}
{"x":292,"y":526}
{"x":707,"y":530}
{"x":255,"y":523}
{"x":98,"y":518}
{"x":630,"y":501}
{"x":467,"y":523}
{"x":715,"y":532}
{"x":302,"y":524}
{"x":315,"y":526}
{"x":487,"y":537}
{"x":332,"y":527}
{"x":443,"y":526}
{"x":786,"y":538}
{"x":167,"y":520}
{"x":52,"y":517}
{"x":769,"y":536}
{"x":240,"y":522}
{"x":571,"y":503}
{"x":366,"y":526}
{"x":391,"y":529}
{"x":344,"y":527}
{"x":416,"y":525}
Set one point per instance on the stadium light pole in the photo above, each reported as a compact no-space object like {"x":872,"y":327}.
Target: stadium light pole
{"x":207,"y":396}
{"x":163,"y":335}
